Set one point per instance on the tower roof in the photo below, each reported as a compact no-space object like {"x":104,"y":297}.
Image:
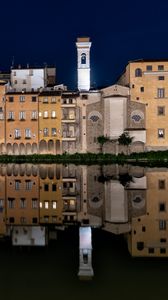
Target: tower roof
{"x":83,"y":39}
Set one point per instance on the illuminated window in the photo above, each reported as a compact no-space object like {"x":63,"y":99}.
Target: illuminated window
{"x":54,"y":204}
{"x":53,"y":114}
{"x":45,"y":100}
{"x":161,"y":133}
{"x":46,"y":204}
{"x":83,"y":58}
{"x":45,"y":114}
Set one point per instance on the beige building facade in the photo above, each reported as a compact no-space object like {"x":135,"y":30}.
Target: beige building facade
{"x":147,"y":81}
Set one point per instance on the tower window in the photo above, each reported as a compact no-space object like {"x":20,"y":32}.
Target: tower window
{"x":83,"y":58}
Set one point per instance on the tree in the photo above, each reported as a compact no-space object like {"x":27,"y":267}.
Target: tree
{"x":102,"y":140}
{"x":125,"y":139}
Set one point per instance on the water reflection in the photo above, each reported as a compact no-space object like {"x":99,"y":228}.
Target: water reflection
{"x":36,"y":201}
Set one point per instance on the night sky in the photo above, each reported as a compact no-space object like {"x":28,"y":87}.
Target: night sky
{"x":38,"y":32}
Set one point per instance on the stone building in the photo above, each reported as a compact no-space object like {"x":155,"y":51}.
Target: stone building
{"x":147,"y":82}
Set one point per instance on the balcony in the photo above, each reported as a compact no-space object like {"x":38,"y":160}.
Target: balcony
{"x":11,"y":119}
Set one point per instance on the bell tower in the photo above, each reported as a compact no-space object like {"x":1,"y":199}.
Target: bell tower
{"x":83,"y":45}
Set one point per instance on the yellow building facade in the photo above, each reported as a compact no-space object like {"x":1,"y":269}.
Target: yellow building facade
{"x":50,"y":134}
{"x":147,"y":80}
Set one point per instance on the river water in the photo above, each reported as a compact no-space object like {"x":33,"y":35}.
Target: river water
{"x":83,"y":232}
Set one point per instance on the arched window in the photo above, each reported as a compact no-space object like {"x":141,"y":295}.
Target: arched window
{"x":138,"y":72}
{"x":83,"y":58}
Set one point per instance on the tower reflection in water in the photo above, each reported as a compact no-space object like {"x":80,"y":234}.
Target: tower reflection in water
{"x":36,"y":201}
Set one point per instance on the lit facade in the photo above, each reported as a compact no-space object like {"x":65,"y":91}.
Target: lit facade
{"x":147,"y":81}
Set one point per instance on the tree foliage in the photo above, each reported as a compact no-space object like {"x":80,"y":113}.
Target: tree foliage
{"x":125,"y":139}
{"x":102,"y":139}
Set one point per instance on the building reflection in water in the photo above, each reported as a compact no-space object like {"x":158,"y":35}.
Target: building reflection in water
{"x":38,"y":200}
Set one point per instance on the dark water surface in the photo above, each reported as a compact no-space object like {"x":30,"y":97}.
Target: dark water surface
{"x":126,"y":210}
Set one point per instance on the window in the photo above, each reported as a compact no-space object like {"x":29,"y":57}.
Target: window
{"x":11,"y":202}
{"x":53,"y":100}
{"x":1,"y":114}
{"x":34,"y":115}
{"x":162,"y":250}
{"x":45,"y":114}
{"x":53,"y":114}
{"x":53,"y":131}
{"x":161,"y":78}
{"x":46,"y":187}
{"x":45,"y":100}
{"x":1,"y":203}
{"x":27,"y":133}
{"x":11,"y":115}
{"x":22,"y":115}
{"x":138,"y":72}
{"x":162,"y":224}
{"x":11,"y":99}
{"x":54,"y":187}
{"x":83,"y":58}
{"x":46,"y":204}
{"x":84,"y":97}
{"x":151,"y":250}
{"x":30,"y":72}
{"x":161,"y":184}
{"x":17,"y":184}
{"x":148,"y":68}
{"x":161,"y":133}
{"x":15,"y":81}
{"x":34,"y":220}
{"x":34,"y":203}
{"x":162,"y":240}
{"x":17,"y":134}
{"x":54,"y":204}
{"x":34,"y":98}
{"x":22,"y":203}
{"x":45,"y":132}
{"x":161,"y":93}
{"x":23,"y":220}
{"x":142,"y":89}
{"x":162,"y":207}
{"x":46,"y":219}
{"x":24,"y":81}
{"x":161,"y":110}
{"x":29,"y":184}
{"x":22,"y":98}
{"x":11,"y":220}
{"x":160,"y":68}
